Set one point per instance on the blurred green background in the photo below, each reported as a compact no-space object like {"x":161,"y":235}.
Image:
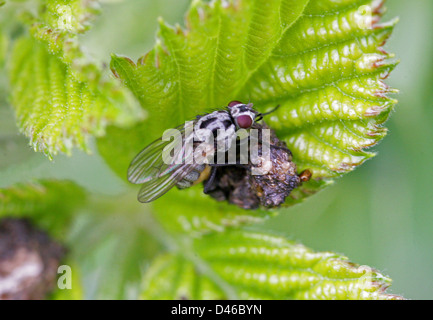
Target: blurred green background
{"x":379,"y":215}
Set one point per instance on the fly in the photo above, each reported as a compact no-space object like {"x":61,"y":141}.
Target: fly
{"x":158,"y":177}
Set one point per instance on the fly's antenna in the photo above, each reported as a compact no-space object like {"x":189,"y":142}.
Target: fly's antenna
{"x":261,"y":115}
{"x":274,"y":109}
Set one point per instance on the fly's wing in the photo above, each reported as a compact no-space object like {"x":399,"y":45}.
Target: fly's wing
{"x":149,"y":163}
{"x":157,"y":174}
{"x":155,"y":188}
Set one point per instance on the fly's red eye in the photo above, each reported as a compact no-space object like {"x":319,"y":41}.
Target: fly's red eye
{"x":244,"y":121}
{"x":233,"y":103}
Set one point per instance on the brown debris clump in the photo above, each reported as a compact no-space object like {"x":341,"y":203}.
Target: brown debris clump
{"x":28,"y":261}
{"x":268,"y":187}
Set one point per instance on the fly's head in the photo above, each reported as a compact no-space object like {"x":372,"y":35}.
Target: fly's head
{"x":243,"y":115}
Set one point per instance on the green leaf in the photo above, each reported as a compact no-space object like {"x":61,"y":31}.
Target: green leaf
{"x":324,"y":69}
{"x":172,"y":277}
{"x":182,"y":210}
{"x":178,"y":78}
{"x":49,"y":203}
{"x":60,"y":96}
{"x":54,"y":109}
{"x":4,"y":42}
{"x":327,"y":75}
{"x":111,"y":245}
{"x":319,"y":60}
{"x":249,"y":265}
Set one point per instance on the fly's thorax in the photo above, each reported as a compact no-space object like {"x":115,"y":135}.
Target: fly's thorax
{"x":216,"y":129}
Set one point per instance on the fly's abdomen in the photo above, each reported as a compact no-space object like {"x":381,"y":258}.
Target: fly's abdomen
{"x":198,"y":175}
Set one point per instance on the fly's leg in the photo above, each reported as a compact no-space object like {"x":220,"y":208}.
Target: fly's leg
{"x":210,"y":181}
{"x":208,"y":184}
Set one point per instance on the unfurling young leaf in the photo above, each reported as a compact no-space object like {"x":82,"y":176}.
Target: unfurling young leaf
{"x":73,"y":16}
{"x":54,"y":109}
{"x":62,"y":98}
{"x":322,"y":61}
{"x":249,"y":265}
